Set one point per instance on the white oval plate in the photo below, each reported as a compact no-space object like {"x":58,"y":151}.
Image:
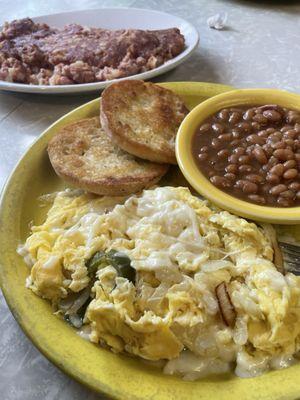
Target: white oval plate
{"x":113,"y":18}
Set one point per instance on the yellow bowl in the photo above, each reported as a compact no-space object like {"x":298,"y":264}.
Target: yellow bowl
{"x":278,"y":215}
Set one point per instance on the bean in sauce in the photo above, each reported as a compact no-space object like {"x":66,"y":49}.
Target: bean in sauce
{"x":253,"y":153}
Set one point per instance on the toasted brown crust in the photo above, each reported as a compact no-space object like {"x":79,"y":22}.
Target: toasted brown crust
{"x":83,"y":155}
{"x":143,"y":119}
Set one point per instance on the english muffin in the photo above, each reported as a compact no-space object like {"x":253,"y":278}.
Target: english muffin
{"x":83,"y":155}
{"x":142,"y":118}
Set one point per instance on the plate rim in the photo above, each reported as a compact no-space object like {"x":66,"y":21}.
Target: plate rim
{"x":94,"y":86}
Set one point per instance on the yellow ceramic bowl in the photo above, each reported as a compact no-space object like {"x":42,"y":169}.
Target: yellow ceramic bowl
{"x":200,"y":183}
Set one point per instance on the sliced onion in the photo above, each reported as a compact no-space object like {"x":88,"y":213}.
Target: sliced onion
{"x":75,"y":301}
{"x":226,"y":307}
{"x":75,"y":320}
{"x":277,"y":258}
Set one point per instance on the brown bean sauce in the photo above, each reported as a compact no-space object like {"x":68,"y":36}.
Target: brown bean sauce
{"x":253,"y":153}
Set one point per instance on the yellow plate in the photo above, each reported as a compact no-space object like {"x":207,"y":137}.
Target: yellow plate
{"x":119,"y":376}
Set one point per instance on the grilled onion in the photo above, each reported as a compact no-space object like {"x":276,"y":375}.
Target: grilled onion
{"x":226,"y":307}
{"x":277,"y":258}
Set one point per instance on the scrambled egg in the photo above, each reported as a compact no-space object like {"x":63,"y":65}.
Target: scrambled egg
{"x":180,"y":250}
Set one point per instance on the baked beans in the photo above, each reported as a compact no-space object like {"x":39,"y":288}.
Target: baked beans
{"x":253,"y":153}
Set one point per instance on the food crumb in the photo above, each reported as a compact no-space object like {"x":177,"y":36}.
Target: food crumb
{"x":217,"y":21}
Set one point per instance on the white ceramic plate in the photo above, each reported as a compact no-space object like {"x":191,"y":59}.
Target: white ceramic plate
{"x":113,"y":18}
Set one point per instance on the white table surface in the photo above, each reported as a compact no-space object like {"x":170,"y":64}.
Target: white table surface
{"x":260,"y":48}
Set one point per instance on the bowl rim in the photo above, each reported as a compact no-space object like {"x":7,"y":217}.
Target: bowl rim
{"x":279,"y":215}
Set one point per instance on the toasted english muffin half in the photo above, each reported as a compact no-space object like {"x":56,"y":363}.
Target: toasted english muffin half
{"x":143,"y":119}
{"x":83,"y":155}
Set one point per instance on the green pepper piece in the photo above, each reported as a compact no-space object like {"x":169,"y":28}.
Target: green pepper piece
{"x":122,"y":263}
{"x":95,"y":262}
